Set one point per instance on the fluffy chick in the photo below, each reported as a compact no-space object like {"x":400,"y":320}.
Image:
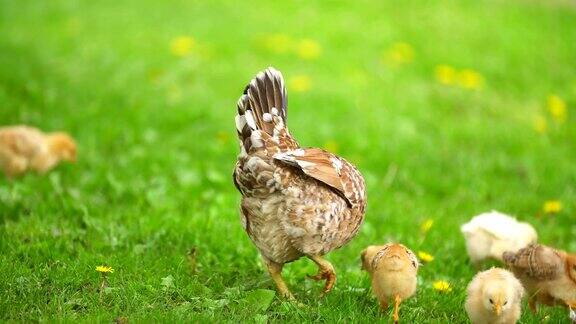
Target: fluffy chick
{"x":393,"y":269}
{"x":23,"y":148}
{"x":494,"y":297}
{"x":490,"y":234}
{"x":548,"y":274}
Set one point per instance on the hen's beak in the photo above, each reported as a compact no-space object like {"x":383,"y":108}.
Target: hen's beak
{"x":497,"y":309}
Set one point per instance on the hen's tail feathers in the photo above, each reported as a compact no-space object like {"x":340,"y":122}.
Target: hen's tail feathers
{"x":261,"y":108}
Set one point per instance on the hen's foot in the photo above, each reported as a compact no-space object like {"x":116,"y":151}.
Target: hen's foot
{"x":275,"y":270}
{"x":325,"y":272}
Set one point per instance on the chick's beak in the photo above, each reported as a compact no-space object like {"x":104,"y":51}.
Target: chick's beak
{"x":497,"y":309}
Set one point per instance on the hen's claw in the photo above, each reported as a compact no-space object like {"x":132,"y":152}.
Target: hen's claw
{"x":325,"y":272}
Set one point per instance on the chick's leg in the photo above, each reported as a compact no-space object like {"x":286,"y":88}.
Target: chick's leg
{"x":275,"y":270}
{"x":397,"y":301}
{"x":383,"y":305}
{"x":533,"y":304}
{"x":325,"y":272}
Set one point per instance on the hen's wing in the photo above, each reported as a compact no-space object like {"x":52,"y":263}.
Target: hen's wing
{"x":329,"y":169}
{"x":536,"y":261}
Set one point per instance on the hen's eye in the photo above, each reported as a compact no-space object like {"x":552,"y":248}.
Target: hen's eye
{"x":491,"y":301}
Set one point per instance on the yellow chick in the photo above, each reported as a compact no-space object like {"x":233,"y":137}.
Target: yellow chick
{"x":549,"y":275}
{"x":488,"y":235}
{"x":393,"y":269}
{"x":24,"y":147}
{"x":494,"y":297}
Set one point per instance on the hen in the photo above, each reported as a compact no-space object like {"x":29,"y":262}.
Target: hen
{"x":549,"y":275}
{"x":24,"y":147}
{"x":295,"y":201}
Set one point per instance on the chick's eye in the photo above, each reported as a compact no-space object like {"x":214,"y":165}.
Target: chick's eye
{"x":506,"y":302}
{"x":491,"y":301}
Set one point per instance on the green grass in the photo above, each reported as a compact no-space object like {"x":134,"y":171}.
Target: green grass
{"x":157,"y":147}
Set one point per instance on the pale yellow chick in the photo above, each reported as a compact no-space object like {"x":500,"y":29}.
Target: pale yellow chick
{"x":23,"y":148}
{"x":488,"y":235}
{"x":494,"y":297}
{"x":393,"y":269}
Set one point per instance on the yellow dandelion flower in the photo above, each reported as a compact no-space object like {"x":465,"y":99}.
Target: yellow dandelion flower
{"x":557,"y":108}
{"x":426,"y":225}
{"x":300,"y":83}
{"x":104,"y":269}
{"x":399,"y":53}
{"x":445,"y":74}
{"x":425,"y":257}
{"x":540,"y":124}
{"x":278,"y":43}
{"x":470,"y":79}
{"x":552,"y":207}
{"x":442,"y":286}
{"x":182,"y":45}
{"x":331,"y":146}
{"x":308,"y":49}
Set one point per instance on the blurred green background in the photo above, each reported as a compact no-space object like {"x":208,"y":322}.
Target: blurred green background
{"x":449,"y":108}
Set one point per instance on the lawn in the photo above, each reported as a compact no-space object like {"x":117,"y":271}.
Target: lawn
{"x":449,"y":109}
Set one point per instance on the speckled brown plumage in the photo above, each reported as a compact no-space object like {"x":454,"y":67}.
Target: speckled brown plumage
{"x":548,"y":274}
{"x":295,"y":201}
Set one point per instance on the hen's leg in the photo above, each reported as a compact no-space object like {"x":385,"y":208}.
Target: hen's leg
{"x":397,"y":301}
{"x":325,"y":272}
{"x":275,"y":270}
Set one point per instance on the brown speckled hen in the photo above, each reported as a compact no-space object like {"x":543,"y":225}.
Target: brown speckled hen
{"x":295,"y":201}
{"x":549,"y":275}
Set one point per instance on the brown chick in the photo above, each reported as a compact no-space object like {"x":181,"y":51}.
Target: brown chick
{"x":393,"y":269}
{"x":494,"y":297}
{"x":295,"y":201}
{"x":23,"y":148}
{"x":549,"y":275}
